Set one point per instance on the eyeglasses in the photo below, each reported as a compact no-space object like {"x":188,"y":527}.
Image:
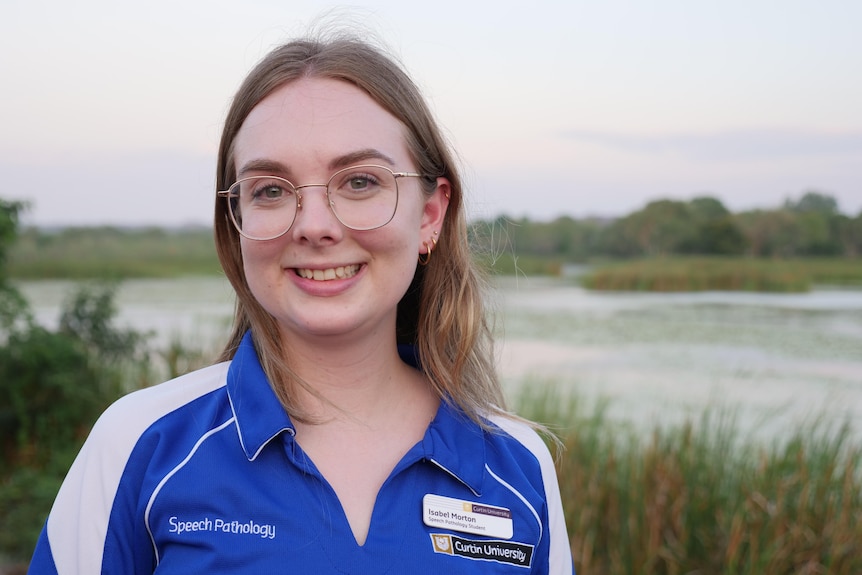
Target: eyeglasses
{"x":362,"y":198}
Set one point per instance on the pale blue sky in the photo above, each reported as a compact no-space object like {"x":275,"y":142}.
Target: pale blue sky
{"x":111,"y":111}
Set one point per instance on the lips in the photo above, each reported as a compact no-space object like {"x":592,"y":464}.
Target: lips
{"x":341,"y":272}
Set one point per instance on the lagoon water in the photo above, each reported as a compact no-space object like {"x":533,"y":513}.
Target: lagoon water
{"x":777,"y":360}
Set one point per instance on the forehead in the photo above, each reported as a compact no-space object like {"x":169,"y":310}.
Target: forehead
{"x":310,"y":122}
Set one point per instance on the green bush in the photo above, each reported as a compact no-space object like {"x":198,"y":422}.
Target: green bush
{"x":55,"y":385}
{"x":26,"y":496}
{"x":49,"y":393}
{"x":12,"y":305}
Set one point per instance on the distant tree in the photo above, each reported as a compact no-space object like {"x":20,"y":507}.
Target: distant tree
{"x":618,"y":239}
{"x":820,"y":224}
{"x":820,"y":233}
{"x":564,"y":230}
{"x":721,"y":236}
{"x":854,"y":236}
{"x":716,"y":231}
{"x":662,"y":227}
{"x":814,"y":201}
{"x":706,"y":208}
{"x":535,"y":238}
{"x":578,"y":240}
{"x":811,"y":226}
{"x":848,"y":234}
{"x":770,"y":233}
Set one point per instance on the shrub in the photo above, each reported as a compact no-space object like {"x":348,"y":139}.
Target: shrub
{"x":55,"y":384}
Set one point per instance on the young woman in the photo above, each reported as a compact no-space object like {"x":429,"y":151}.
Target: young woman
{"x":355,"y":423}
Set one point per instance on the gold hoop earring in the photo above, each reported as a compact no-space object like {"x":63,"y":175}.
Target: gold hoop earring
{"x":424,"y":261}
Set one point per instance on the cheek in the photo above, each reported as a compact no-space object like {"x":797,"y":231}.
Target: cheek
{"x":410,"y":222}
{"x":404,"y":254}
{"x":259,"y":251}
{"x":259,"y":259}
{"x":397,"y":245}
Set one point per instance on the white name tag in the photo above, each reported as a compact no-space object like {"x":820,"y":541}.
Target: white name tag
{"x":466,"y":516}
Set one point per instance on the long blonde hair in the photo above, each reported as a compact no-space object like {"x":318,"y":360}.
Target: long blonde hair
{"x":443,"y":312}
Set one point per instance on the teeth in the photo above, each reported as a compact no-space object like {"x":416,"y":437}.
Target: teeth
{"x":340,"y":272}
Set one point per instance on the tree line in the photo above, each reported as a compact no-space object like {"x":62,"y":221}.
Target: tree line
{"x":811,"y":226}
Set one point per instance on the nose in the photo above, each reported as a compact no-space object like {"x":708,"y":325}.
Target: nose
{"x":315,"y":221}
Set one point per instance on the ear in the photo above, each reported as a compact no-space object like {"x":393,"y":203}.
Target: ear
{"x":434,"y":213}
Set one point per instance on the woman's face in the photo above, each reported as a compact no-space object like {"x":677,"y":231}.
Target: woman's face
{"x":321,"y":279}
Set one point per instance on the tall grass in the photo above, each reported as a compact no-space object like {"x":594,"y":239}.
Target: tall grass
{"x":78,"y":253}
{"x":701,"y":498}
{"x":511,"y":264}
{"x":724,"y":274}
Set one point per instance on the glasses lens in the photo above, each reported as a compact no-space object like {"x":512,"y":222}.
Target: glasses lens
{"x":363,"y":197}
{"x":262,"y":207}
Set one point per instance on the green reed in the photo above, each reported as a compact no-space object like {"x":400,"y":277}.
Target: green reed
{"x":79,"y":253}
{"x":511,"y":264}
{"x":724,"y":274}
{"x":701,"y":498}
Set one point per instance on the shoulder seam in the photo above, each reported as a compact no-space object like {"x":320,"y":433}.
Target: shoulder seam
{"x":171,"y":473}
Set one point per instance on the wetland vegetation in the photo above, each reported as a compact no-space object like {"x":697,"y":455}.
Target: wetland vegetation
{"x":697,"y":495}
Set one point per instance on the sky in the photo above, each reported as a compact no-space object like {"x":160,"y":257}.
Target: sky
{"x":111,"y":111}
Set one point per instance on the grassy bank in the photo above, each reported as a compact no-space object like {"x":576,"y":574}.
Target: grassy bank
{"x":510,"y":264}
{"x":78,"y":253}
{"x":701,"y":499}
{"x":723,"y":274}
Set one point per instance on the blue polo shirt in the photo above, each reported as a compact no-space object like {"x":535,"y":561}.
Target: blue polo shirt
{"x":202,"y":474}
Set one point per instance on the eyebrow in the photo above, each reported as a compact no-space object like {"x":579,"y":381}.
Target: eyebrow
{"x":359,"y":156}
{"x":263,"y":165}
{"x":274,"y":167}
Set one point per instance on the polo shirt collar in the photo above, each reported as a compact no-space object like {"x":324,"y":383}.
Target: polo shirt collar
{"x":259,"y":414}
{"x":456,"y":444}
{"x":453,"y":442}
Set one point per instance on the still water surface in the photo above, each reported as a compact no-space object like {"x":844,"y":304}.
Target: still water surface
{"x":658,"y":358}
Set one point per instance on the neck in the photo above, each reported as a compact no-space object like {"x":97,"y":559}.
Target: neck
{"x":361,"y":381}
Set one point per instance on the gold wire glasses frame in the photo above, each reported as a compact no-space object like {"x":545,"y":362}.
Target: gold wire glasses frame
{"x":362,"y":198}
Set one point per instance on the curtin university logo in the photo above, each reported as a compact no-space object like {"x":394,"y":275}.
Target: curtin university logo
{"x":519,"y":554}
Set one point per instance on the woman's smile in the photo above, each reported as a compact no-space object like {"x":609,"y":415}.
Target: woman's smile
{"x":327,"y":274}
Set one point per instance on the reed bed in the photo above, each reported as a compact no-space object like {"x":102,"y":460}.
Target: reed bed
{"x":113,"y":253}
{"x":699,"y":498}
{"x":723,"y":274}
{"x":511,"y":264}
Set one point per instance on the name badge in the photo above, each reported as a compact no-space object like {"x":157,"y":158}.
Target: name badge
{"x":466,"y":516}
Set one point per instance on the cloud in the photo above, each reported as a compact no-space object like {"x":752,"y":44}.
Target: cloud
{"x":733,"y":145}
